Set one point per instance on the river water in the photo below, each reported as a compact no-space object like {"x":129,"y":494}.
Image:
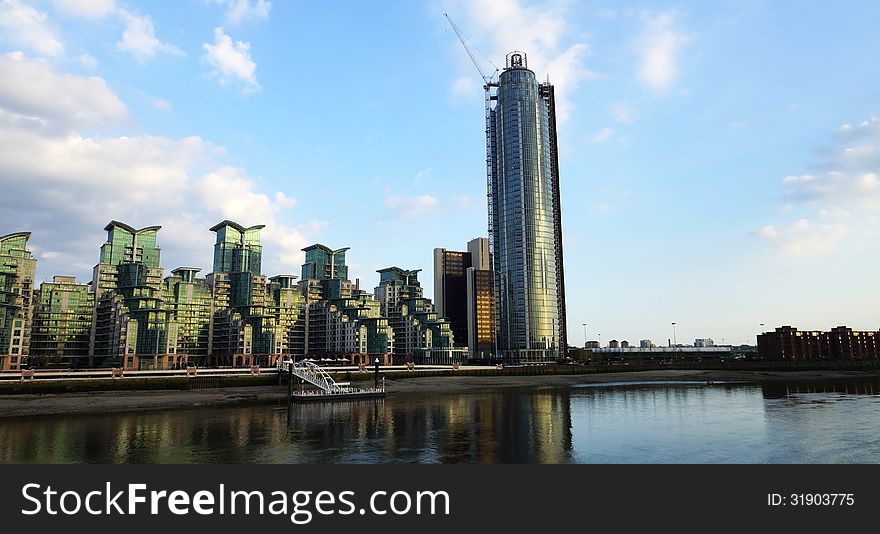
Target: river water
{"x":808,"y":422}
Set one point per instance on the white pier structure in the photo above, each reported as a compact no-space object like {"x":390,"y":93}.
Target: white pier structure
{"x":328,"y":388}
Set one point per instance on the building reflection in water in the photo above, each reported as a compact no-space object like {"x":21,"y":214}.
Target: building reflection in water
{"x":847,"y":386}
{"x":502,"y":426}
{"x":479,"y":428}
{"x":606,"y":424}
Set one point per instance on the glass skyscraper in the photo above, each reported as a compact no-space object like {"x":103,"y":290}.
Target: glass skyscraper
{"x":525,"y":229}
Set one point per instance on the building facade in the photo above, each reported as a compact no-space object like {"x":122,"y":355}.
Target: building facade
{"x":525,"y":216}
{"x":17,"y":271}
{"x":341,"y":320}
{"x":62,"y":322}
{"x":188,"y":298}
{"x":421,"y":334}
{"x":481,"y":313}
{"x":131,"y":326}
{"x":787,"y":343}
{"x":450,"y":289}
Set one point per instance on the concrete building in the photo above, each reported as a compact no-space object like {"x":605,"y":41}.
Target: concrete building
{"x":707,"y":342}
{"x":646,"y":344}
{"x":525,"y":228}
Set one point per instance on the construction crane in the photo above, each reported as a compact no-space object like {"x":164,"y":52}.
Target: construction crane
{"x":489,"y":80}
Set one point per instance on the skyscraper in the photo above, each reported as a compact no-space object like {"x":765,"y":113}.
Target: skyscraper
{"x":525,"y":228}
{"x":450,"y":289}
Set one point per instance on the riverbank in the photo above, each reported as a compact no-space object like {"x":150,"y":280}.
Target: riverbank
{"x":12,"y":406}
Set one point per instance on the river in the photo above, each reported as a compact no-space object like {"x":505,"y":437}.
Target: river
{"x":809,"y":422}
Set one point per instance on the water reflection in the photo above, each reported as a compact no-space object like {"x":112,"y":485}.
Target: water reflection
{"x":499,"y":427}
{"x":795,"y":422}
{"x":847,"y":386}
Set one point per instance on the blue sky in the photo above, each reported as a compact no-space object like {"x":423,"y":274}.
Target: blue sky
{"x":719,"y":160}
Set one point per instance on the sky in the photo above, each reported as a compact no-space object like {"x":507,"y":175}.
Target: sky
{"x":719,"y":160}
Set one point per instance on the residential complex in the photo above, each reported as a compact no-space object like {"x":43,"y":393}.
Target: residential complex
{"x":841,"y":343}
{"x":132,"y":316}
{"x":525,"y":228}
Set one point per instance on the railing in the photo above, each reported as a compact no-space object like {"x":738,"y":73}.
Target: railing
{"x":316,"y":376}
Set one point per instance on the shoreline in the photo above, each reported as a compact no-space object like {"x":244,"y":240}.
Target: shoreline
{"x":17,"y":407}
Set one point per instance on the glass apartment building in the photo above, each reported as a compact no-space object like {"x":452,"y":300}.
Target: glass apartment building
{"x":131,"y":326}
{"x":62,"y":321}
{"x":524,"y":216}
{"x":17,"y":270}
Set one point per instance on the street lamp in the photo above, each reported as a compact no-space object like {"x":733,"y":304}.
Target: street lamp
{"x":600,"y":341}
{"x":762,"y":328}
{"x":674,"y":341}
{"x":585,"y":335}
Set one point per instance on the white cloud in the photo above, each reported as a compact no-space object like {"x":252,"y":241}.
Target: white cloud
{"x":544,"y":31}
{"x":70,"y":185}
{"x":602,"y":136}
{"x":92,"y":9}
{"x":139,"y":38}
{"x":622,"y":112}
{"x":88,"y":61}
{"x":23,"y":25}
{"x":242,"y":11}
{"x":805,"y":238}
{"x":232,"y":61}
{"x":138,"y":35}
{"x":659,"y":46}
{"x":54,"y":98}
{"x":843,"y":188}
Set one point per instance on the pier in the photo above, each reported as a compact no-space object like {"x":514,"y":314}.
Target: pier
{"x":328,"y":389}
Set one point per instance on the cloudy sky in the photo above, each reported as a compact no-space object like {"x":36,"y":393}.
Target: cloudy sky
{"x":719,"y":162}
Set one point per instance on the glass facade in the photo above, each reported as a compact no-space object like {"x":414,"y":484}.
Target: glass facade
{"x":341,"y":320}
{"x":481,"y":313}
{"x":246,"y":328}
{"x":418,"y":328}
{"x":188,"y":298}
{"x":131,"y":325}
{"x":523,"y":217}
{"x":17,"y":270}
{"x":238,"y":249}
{"x":323,"y":263}
{"x":450,"y":289}
{"x":62,"y":321}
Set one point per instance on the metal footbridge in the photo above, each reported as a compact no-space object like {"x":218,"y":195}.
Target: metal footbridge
{"x":316,"y":376}
{"x":328,"y":388}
